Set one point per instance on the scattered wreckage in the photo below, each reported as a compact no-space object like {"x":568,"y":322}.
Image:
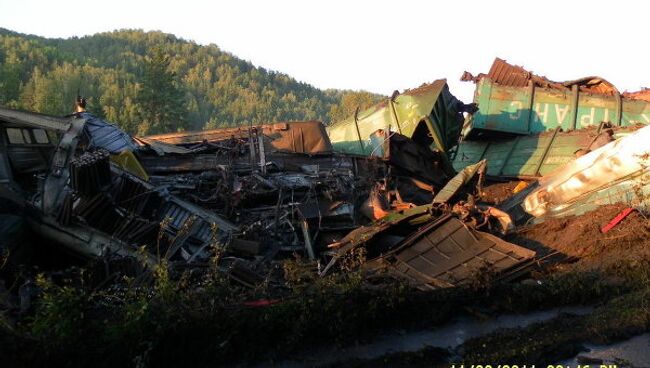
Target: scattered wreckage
{"x":60,"y":173}
{"x":258,"y":193}
{"x":396,"y":188}
{"x":580,"y":143}
{"x":527,"y":126}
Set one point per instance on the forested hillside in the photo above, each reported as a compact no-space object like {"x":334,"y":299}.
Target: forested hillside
{"x":152,"y":82}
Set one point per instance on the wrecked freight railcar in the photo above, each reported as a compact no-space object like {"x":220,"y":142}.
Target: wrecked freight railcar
{"x":512,"y":100}
{"x":436,"y":245}
{"x":529,"y":157}
{"x":527,"y":126}
{"x":398,"y":174}
{"x":61,"y":175}
{"x":284,"y":180}
{"x":414,"y":133}
{"x":102,"y":192}
{"x":281,"y":182}
{"x":429,"y":115}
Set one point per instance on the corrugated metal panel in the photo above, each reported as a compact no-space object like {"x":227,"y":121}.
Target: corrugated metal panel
{"x":508,"y":75}
{"x":528,"y":156}
{"x":448,"y":254}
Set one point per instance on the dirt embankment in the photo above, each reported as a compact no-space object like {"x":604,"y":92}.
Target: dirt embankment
{"x":581,"y":237}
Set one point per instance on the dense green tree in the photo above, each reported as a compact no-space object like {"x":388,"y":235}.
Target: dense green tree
{"x":350,"y":102}
{"x":118,"y":72}
{"x":162,"y":105}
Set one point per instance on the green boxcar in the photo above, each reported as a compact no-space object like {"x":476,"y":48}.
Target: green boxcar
{"x":531,"y":110}
{"x":428,"y":114}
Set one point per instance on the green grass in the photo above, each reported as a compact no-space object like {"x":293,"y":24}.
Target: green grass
{"x":185,"y":320}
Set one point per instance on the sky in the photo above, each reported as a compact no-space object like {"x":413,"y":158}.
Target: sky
{"x":378,"y":46}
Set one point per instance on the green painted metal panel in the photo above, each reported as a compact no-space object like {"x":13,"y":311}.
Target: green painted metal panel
{"x":430,"y":110}
{"x":501,"y":108}
{"x":531,"y":110}
{"x":635,"y":112}
{"x":497,"y":156}
{"x":524,"y":156}
{"x":469,"y":153}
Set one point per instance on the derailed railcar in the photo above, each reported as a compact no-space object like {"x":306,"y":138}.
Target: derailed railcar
{"x":59,"y":173}
{"x":528,"y":126}
{"x":514,"y":101}
{"x":430,"y":115}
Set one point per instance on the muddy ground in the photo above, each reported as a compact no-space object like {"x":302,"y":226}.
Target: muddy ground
{"x":579,"y":237}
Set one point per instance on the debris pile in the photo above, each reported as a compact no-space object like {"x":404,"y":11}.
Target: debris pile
{"x":260,"y":194}
{"x":399,"y":188}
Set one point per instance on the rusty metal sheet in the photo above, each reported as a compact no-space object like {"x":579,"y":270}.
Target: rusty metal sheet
{"x":295,"y":136}
{"x":506,"y":74}
{"x":446,"y":253}
{"x":509,"y":75}
{"x":643,"y":95}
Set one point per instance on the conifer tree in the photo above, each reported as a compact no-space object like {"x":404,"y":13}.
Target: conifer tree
{"x":162,"y":103}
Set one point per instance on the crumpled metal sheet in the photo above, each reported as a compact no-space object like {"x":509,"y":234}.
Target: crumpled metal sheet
{"x":296,"y":136}
{"x":454,"y":185}
{"x":599,"y":170}
{"x":431,"y":251}
{"x":102,"y":134}
{"x":506,"y":74}
{"x":447,"y":253}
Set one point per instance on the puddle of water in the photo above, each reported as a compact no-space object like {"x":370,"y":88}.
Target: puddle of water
{"x":635,"y":351}
{"x":447,"y":336}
